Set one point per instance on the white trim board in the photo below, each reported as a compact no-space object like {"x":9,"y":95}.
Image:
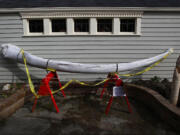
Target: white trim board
{"x":80,"y":14}
{"x":45,"y":9}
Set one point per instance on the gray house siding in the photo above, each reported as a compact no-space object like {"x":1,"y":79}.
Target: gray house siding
{"x":160,"y":31}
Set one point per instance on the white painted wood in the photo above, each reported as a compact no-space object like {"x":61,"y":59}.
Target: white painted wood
{"x":93,"y":22}
{"x":82,"y":9}
{"x":26,"y":26}
{"x":93,"y":26}
{"x":17,"y":26}
{"x":81,"y":14}
{"x":70,"y":26}
{"x":138,"y":26}
{"x":47,"y":26}
{"x":16,"y":22}
{"x":153,"y":40}
{"x":87,"y":39}
{"x":116,"y":26}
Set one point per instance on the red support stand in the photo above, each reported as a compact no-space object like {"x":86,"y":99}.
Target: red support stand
{"x":130,"y":110}
{"x":45,"y":90}
{"x":109,"y":105}
{"x":118,"y":82}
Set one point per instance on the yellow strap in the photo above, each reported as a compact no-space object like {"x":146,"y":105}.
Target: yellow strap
{"x":146,"y":69}
{"x":29,"y":77}
{"x":79,"y":82}
{"x":50,"y":69}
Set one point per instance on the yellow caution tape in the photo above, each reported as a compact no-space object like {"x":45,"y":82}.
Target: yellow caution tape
{"x":50,"y":69}
{"x":146,"y":69}
{"x":28,"y":75}
{"x":79,"y":82}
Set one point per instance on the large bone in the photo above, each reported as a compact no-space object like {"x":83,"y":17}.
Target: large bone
{"x":13,"y":52}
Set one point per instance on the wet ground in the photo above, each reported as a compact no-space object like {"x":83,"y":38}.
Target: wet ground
{"x":85,"y":115}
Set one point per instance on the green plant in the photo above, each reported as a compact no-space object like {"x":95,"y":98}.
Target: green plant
{"x":156,"y":79}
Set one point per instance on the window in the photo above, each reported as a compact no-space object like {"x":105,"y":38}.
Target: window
{"x":104,"y":25}
{"x":127,"y":25}
{"x":66,"y":23}
{"x":81,"y":25}
{"x":58,"y":25}
{"x":36,"y":26}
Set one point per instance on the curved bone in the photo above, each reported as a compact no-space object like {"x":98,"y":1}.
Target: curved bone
{"x":13,"y":52}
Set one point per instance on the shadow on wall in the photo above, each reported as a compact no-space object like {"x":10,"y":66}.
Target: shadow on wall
{"x":17,"y":73}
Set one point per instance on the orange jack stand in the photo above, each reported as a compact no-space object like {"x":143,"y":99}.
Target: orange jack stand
{"x":118,"y":82}
{"x":45,"y":90}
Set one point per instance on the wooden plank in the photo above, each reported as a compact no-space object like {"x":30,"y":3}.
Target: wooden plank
{"x":163,"y":25}
{"x":98,"y":49}
{"x":113,"y":56}
{"x":85,"y":39}
{"x":10,"y":16}
{"x":10,"y":31}
{"x":94,"y":51}
{"x":161,"y":21}
{"x":84,"y":78}
{"x":91,"y":44}
{"x":162,"y":34}
{"x":11,"y":26}
{"x":15,"y":22}
{"x":43,"y":72}
{"x":148,"y":29}
{"x":13,"y":34}
{"x":155,"y":15}
{"x":168,"y":62}
{"x":73,"y":75}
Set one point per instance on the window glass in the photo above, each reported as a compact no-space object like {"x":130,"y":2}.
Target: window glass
{"x":58,"y":25}
{"x":36,"y":26}
{"x":104,"y":25}
{"x":81,"y":25}
{"x":127,"y":25}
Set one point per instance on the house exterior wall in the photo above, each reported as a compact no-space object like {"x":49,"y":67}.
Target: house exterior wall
{"x":160,"y":31}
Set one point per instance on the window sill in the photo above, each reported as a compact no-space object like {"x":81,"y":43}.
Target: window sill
{"x":64,"y":34}
{"x":34,"y":34}
{"x":57,"y":34}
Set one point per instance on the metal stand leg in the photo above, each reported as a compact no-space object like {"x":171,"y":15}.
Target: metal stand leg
{"x":130,"y":110}
{"x":34,"y":105}
{"x":109,"y":105}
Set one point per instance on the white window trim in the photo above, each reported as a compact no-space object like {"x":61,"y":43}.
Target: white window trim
{"x":28,"y":33}
{"x":93,"y":16}
{"x":137,"y":27}
{"x":55,"y":33}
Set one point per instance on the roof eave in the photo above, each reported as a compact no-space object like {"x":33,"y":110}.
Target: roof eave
{"x":13,"y":10}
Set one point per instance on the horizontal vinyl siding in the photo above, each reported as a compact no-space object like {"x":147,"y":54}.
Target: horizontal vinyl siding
{"x":160,"y":31}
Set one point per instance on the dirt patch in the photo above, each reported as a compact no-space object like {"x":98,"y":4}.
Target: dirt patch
{"x":162,"y":86}
{"x":6,"y":93}
{"x":85,"y":114}
{"x":11,"y":100}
